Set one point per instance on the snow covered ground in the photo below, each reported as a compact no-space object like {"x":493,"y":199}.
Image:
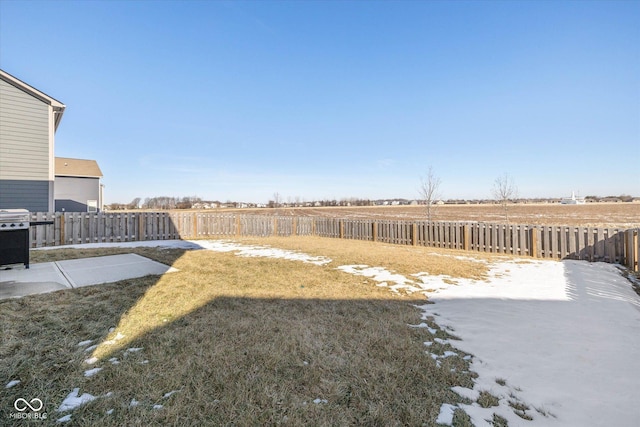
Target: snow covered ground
{"x":564,"y":337}
{"x":556,"y":342}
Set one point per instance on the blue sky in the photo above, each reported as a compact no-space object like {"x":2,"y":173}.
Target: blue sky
{"x":329,"y":99}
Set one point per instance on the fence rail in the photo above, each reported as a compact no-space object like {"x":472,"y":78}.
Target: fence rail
{"x":553,"y":242}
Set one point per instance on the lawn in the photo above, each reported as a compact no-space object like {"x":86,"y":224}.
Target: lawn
{"x":232,"y":340}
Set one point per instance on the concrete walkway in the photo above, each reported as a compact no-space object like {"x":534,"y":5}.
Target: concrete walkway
{"x":54,"y":276}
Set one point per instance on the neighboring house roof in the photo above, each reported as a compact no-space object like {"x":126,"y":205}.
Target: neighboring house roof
{"x":77,"y":167}
{"x":58,"y":107}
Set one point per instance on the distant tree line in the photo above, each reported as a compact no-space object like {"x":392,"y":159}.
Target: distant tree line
{"x":161,"y":202}
{"x":352,"y":201}
{"x":504,"y":190}
{"x":621,"y":198}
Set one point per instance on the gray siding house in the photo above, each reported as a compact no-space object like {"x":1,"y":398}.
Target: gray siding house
{"x":28,"y":122}
{"x":77,"y":185}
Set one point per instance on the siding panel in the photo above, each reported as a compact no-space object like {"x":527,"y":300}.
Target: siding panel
{"x":23,"y":194}
{"x":24,"y":143}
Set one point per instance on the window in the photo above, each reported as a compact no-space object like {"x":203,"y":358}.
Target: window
{"x":92,"y":206}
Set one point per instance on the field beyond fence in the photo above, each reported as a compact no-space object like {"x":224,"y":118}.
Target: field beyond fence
{"x":614,"y":245}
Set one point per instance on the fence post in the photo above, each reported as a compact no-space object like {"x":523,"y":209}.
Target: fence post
{"x":62,"y":240}
{"x":628,"y":248}
{"x":341,"y":229}
{"x":414,"y":234}
{"x":275,"y":226}
{"x":533,"y":242}
{"x":375,"y":231}
{"x":466,"y":237}
{"x":194,"y":225}
{"x":636,"y":250}
{"x":141,"y":221}
{"x":632,"y":248}
{"x":294,"y":226}
{"x":238,"y":225}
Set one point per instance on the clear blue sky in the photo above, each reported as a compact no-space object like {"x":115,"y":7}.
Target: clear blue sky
{"x":328,"y":99}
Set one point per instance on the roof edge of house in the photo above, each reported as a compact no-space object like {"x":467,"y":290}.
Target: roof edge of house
{"x":58,"y":107}
{"x":75,"y":173}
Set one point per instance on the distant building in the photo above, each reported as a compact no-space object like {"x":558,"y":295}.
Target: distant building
{"x":205,"y":205}
{"x":573,"y":200}
{"x":77,"y":185}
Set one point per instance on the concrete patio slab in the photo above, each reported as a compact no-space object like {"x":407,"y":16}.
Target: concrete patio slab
{"x":12,"y":289}
{"x":41,"y":272}
{"x":108,"y":269}
{"x":53,"y":276}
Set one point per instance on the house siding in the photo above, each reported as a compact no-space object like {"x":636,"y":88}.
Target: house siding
{"x":26,"y":179}
{"x":25,"y":194}
{"x":24,"y":136}
{"x":72,"y":193}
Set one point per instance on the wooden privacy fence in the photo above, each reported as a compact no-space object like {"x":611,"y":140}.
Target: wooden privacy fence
{"x":557,"y":242}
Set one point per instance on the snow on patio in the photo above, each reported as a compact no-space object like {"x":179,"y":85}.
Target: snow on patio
{"x":556,"y":342}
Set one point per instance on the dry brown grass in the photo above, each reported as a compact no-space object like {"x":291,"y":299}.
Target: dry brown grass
{"x":405,"y":260}
{"x":624,"y":215}
{"x":246,"y":341}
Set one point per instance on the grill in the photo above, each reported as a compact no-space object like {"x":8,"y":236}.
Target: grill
{"x":14,"y":237}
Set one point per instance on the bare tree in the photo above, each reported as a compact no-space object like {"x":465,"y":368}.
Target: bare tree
{"x":428,"y":190}
{"x":135,"y":203}
{"x":505,"y":192}
{"x":277,"y":200}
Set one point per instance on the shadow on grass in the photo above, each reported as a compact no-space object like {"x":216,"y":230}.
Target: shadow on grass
{"x":228,"y":359}
{"x":250,"y":362}
{"x":39,"y":333}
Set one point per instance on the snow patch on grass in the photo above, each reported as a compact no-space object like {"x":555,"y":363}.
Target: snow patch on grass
{"x":170,"y":393}
{"x":64,"y":419}
{"x":382,"y":276}
{"x":74,"y":400}
{"x":262,"y":251}
{"x":90,"y":348}
{"x":92,"y":372}
{"x":12,"y":383}
{"x":446,"y":414}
